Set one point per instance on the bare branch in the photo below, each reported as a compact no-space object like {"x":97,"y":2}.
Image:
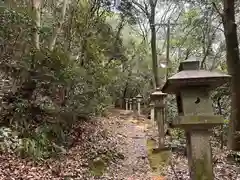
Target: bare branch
{"x":208,"y":47}
{"x":217,"y":10}
{"x":144,"y":8}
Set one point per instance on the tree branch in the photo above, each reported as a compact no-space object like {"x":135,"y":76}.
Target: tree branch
{"x":143,"y":8}
{"x":217,"y":10}
{"x":208,"y":47}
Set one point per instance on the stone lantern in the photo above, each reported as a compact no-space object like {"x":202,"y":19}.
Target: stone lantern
{"x":139,"y":98}
{"x":130,"y":104}
{"x":134,"y":104}
{"x":126,"y":103}
{"x":158,"y":98}
{"x":196,"y":116}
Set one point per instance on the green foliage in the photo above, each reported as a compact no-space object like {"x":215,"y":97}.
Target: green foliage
{"x":50,"y":91}
{"x":40,"y":144}
{"x":43,"y":142}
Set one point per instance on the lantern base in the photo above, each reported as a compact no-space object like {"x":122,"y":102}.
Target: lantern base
{"x":199,"y":154}
{"x":198,"y":121}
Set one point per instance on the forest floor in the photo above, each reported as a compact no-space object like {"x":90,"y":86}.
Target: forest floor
{"x":116,"y":147}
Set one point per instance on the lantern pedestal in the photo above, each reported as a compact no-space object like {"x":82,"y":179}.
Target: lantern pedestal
{"x":139,"y":98}
{"x":152,"y":111}
{"x":126,"y":104}
{"x":199,"y":154}
{"x":159,"y":115}
{"x":130,"y":104}
{"x":139,"y":107}
{"x":197,"y":130}
{"x":134,"y":105}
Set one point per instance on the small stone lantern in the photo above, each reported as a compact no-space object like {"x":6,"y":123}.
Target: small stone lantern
{"x":134,"y":104}
{"x":126,"y":103}
{"x":130,"y":104}
{"x":196,"y":116}
{"x":158,"y":98}
{"x":139,"y":98}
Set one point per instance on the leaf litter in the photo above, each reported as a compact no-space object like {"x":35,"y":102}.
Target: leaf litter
{"x":118,"y":144}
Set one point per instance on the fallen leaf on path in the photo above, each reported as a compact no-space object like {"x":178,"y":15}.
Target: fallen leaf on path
{"x":134,"y":121}
{"x":159,"y":178}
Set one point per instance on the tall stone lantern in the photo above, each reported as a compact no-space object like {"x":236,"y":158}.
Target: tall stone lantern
{"x":139,"y":99}
{"x":126,"y":103}
{"x":159,"y":114}
{"x":192,"y":87}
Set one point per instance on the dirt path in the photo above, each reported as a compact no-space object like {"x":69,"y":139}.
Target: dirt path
{"x":131,"y":132}
{"x":136,"y":163}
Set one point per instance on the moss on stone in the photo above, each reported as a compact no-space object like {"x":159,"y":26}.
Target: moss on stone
{"x":202,"y":171}
{"x":97,"y":167}
{"x":157,"y":159}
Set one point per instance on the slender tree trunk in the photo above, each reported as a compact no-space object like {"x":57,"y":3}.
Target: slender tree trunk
{"x":68,"y":31}
{"x":233,"y":64}
{"x":120,"y":27}
{"x":151,"y":19}
{"x":36,"y":8}
{"x":154,"y":45}
{"x":220,"y":113}
{"x":57,"y":30}
{"x":168,"y":50}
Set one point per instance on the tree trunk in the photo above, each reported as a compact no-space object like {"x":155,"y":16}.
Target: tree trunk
{"x":154,"y":46}
{"x":57,"y":30}
{"x":233,"y":64}
{"x":220,"y":113}
{"x":36,"y":8}
{"x":115,"y":51}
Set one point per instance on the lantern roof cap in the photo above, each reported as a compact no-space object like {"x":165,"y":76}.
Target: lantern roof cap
{"x":139,"y":96}
{"x":190,"y":75}
{"x":189,"y":64}
{"x":158,"y":92}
